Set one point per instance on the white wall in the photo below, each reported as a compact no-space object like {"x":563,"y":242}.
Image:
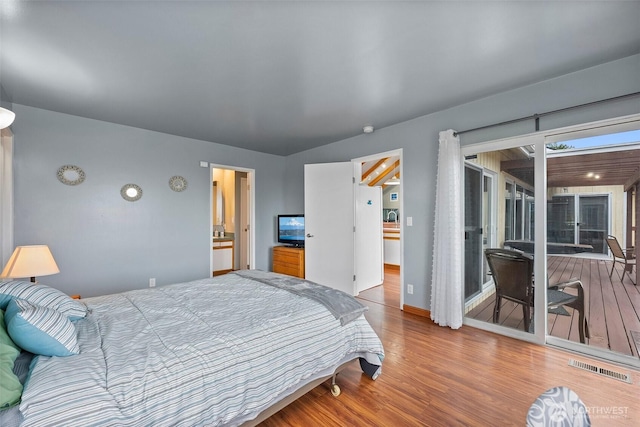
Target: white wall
{"x":419,"y":140}
{"x":104,"y":244}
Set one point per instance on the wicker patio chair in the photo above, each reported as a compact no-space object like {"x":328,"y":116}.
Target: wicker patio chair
{"x":623,"y":256}
{"x":512,"y":273}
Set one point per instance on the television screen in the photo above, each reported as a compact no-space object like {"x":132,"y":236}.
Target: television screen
{"x":291,"y":229}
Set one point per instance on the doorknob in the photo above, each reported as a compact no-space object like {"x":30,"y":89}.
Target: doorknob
{"x":309,"y":235}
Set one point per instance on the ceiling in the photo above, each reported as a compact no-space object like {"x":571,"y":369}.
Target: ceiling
{"x":619,"y":165}
{"x":283,"y":77}
{"x":602,"y":167}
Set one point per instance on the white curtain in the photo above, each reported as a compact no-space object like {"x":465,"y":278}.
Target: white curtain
{"x":446,"y":279}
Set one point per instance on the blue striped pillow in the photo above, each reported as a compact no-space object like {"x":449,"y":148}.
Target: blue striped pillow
{"x":41,"y":295}
{"x":40,"y":330}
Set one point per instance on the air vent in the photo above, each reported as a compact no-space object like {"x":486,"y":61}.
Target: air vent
{"x":602,"y":371}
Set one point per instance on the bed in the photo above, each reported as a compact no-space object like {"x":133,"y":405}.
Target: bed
{"x":229,"y":350}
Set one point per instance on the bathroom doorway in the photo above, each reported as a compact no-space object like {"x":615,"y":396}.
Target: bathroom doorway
{"x":232,"y":218}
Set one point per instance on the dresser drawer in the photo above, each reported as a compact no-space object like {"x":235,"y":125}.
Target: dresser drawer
{"x":288,"y":260}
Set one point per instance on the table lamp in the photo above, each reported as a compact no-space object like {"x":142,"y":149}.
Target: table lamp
{"x":30,"y":261}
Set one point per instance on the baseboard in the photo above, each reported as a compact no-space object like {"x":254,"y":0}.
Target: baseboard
{"x":395,"y":267}
{"x":416,"y":310}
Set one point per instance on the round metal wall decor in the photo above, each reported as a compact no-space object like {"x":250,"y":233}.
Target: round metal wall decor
{"x":178,"y":183}
{"x":131,"y":192}
{"x":70,"y":175}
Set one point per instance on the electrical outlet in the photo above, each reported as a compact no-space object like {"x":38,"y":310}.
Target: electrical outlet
{"x":410,"y":289}
{"x":152,"y":282}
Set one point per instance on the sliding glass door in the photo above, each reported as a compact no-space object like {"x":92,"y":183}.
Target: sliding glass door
{"x":578,"y":221}
{"x":472,"y":231}
{"x":593,"y":211}
{"x":489,"y":219}
{"x":498,"y":213}
{"x":561,"y":219}
{"x":584,"y":194}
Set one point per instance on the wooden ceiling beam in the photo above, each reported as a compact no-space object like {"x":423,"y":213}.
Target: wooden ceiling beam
{"x":373,"y":168}
{"x":386,"y":172}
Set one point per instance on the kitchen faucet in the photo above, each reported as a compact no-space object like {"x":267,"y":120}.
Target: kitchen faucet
{"x":395,"y":214}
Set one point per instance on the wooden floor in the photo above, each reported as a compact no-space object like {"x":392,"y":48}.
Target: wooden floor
{"x":612,"y":305}
{"x":389,"y":292}
{"x":436,"y":376}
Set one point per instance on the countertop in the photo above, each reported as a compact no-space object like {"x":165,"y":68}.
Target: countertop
{"x":228,"y":237}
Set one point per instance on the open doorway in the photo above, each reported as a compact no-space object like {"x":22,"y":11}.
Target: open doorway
{"x":384,"y":170}
{"x":232,"y":215}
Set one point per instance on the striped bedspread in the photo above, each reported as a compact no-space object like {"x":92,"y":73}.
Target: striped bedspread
{"x":211,"y":352}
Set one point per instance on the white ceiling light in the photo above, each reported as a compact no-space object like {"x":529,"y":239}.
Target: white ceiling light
{"x":367,"y":129}
{"x":6,"y":117}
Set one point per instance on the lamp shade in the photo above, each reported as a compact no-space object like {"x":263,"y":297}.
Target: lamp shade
{"x":30,"y":261}
{"x":6,"y":117}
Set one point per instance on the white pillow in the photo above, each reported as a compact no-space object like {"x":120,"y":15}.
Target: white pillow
{"x":41,"y":295}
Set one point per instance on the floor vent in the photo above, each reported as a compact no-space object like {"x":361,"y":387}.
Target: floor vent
{"x":602,"y":371}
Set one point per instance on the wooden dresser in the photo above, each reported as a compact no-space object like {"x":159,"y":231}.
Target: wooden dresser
{"x":288,"y":260}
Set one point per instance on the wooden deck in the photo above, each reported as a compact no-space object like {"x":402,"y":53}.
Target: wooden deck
{"x":612,"y":305}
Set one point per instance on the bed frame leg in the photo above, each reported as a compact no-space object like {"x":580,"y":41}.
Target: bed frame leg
{"x":335,"y":388}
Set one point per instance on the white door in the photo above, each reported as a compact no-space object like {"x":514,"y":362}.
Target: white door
{"x":245,"y":210}
{"x":369,"y":243}
{"x":329,"y":210}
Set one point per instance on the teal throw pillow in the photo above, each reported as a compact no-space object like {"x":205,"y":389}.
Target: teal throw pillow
{"x":40,"y":330}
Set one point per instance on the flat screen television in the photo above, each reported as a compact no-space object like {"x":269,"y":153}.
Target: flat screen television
{"x":291,"y":229}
